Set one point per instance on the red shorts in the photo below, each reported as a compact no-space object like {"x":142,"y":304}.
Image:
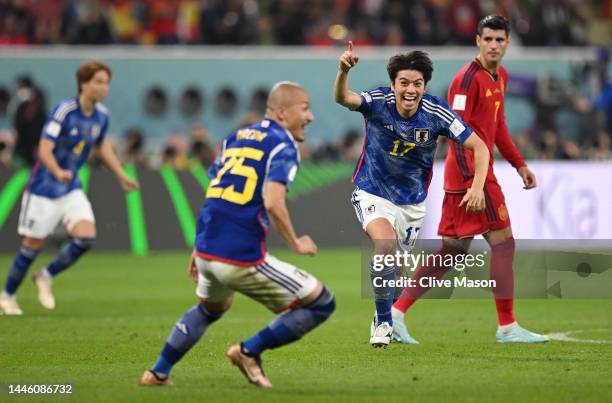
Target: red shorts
{"x":457,"y":223}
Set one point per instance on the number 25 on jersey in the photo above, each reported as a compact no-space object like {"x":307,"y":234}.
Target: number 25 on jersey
{"x":232,"y":160}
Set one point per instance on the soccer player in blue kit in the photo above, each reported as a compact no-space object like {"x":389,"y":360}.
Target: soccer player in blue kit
{"x":53,"y":194}
{"x":250,"y":178}
{"x":392,"y":175}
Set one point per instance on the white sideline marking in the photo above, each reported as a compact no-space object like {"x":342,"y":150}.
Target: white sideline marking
{"x":567,"y":336}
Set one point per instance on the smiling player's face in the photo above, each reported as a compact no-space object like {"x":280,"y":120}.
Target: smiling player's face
{"x":298,"y":115}
{"x":97,"y":88}
{"x":408,"y":87}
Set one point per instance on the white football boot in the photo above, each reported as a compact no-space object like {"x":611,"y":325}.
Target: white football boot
{"x":8,"y":304}
{"x":44,"y":283}
{"x":382,"y":335}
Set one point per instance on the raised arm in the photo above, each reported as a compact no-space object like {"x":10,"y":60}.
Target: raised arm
{"x":342,"y":94}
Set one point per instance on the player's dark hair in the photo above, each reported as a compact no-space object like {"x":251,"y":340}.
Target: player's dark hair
{"x":494,"y":22}
{"x":86,"y":72}
{"x":415,"y":60}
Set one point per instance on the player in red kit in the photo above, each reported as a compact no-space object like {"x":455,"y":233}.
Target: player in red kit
{"x":477,"y":95}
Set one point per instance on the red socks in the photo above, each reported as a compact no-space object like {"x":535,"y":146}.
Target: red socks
{"x":502,"y":258}
{"x":411,"y":294}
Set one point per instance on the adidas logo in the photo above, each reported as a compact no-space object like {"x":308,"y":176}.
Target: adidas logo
{"x":488,"y":93}
{"x":182,"y":327}
{"x":389,"y":127}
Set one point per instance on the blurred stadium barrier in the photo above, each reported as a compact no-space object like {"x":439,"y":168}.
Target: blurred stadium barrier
{"x":571,"y":202}
{"x":245,"y":70}
{"x":163,"y":214}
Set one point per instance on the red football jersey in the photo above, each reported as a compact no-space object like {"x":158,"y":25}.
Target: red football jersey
{"x":478,"y":97}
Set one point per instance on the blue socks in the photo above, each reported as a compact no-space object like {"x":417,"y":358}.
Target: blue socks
{"x":66,"y":257}
{"x":383,"y":293}
{"x":19,"y":269}
{"x":186,"y":333}
{"x":69,"y":254}
{"x":285,"y":329}
{"x":292,"y":325}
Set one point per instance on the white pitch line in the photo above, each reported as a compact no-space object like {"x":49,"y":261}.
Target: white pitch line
{"x":567,"y":336}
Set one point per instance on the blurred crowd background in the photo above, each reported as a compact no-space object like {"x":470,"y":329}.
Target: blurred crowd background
{"x":298,"y":22}
{"x":321,"y":23}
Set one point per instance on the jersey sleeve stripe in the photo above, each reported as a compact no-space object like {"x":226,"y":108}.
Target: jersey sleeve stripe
{"x":443,"y":110}
{"x":464,"y":163}
{"x":63,"y":110}
{"x":461,"y":160}
{"x":468,"y":77}
{"x":65,"y":105}
{"x":438,"y":114}
{"x":274,"y":151}
{"x":363,"y":150}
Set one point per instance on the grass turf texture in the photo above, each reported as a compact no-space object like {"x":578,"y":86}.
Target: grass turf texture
{"x":114,"y":312}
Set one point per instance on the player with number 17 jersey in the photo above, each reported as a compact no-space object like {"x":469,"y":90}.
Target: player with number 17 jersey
{"x":398,"y":154}
{"x":393,"y":174}
{"x":233,"y":224}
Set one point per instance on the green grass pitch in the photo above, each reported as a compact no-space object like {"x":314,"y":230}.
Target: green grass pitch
{"x":114,"y":312}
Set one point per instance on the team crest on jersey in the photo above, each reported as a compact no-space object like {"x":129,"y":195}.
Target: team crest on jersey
{"x":370,"y":209}
{"x":502,"y":211}
{"x":421,"y":135}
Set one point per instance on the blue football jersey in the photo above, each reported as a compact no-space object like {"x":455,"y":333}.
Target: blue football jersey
{"x":73,"y":134}
{"x":233,"y":224}
{"x":398,"y":153}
